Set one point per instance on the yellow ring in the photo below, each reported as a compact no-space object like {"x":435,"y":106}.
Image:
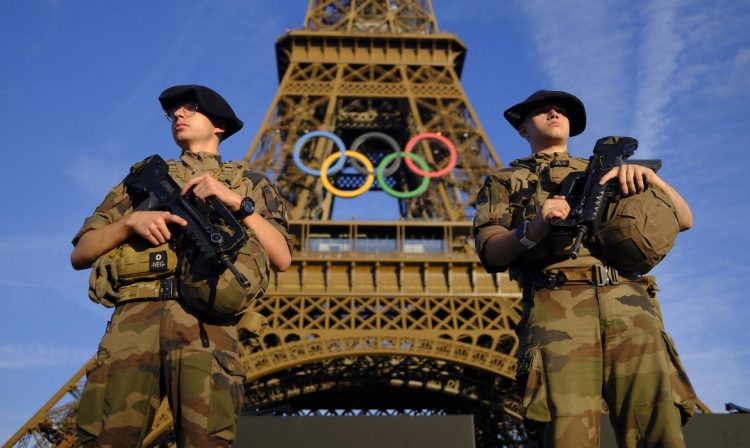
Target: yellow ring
{"x":353,"y":193}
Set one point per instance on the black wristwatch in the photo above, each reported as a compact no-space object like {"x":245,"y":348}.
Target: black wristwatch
{"x":247,"y":208}
{"x":521,"y":235}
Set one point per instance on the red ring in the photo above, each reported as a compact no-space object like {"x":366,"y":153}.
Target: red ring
{"x":413,"y":166}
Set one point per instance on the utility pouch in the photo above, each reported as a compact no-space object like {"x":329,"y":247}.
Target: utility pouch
{"x":251,"y":325}
{"x":103,"y":281}
{"x":129,"y":263}
{"x":139,"y":260}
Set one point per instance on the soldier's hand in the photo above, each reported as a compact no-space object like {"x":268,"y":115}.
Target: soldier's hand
{"x":554,"y":207}
{"x":206,"y":185}
{"x":152,"y":225}
{"x":632,"y":178}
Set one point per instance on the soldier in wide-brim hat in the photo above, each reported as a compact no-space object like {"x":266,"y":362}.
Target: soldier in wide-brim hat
{"x":588,"y":333}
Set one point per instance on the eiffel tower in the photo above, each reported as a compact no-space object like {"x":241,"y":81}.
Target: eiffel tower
{"x":373,"y":317}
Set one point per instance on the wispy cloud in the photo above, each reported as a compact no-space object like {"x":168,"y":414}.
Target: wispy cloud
{"x":660,"y":47}
{"x":451,"y":11}
{"x":51,"y":278}
{"x":10,"y":282}
{"x":31,"y":356}
{"x":29,"y":242}
{"x":93,"y":174}
{"x":633,"y":63}
{"x":581,"y":49}
{"x":674,"y":75}
{"x":47,"y":253}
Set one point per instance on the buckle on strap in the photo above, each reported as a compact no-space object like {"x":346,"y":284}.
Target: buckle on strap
{"x":604,"y":275}
{"x":167,"y":288}
{"x":539,"y":279}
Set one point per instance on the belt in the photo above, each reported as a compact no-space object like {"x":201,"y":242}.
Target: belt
{"x":161,"y":289}
{"x":597,"y":274}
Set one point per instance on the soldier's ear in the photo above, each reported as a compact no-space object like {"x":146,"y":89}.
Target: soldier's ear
{"x":522,"y":131}
{"x":219,"y":128}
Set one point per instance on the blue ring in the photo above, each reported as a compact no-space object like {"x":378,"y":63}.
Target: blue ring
{"x":310,"y":135}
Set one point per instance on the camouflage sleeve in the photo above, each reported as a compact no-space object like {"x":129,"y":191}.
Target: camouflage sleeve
{"x":113,"y":208}
{"x":493,"y":216}
{"x":269,"y":204}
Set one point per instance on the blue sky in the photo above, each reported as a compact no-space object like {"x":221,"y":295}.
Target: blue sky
{"x":79,"y":85}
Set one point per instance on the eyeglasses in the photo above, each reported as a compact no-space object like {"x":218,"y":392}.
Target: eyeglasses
{"x":545,"y":109}
{"x":189,"y":107}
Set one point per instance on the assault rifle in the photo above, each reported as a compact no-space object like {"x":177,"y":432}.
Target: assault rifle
{"x":588,"y":200}
{"x":211,"y":227}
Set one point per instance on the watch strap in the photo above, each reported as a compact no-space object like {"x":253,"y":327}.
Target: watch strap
{"x":521,"y":235}
{"x":247,"y":208}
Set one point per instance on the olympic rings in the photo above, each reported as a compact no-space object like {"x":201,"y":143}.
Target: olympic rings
{"x":430,"y":135}
{"x":336,"y":141}
{"x":387,"y":166}
{"x":353,"y":193}
{"x":359,"y":141}
{"x":403,"y":194}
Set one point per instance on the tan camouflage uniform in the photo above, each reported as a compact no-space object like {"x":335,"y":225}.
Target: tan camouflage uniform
{"x":579,"y":342}
{"x":154,"y":348}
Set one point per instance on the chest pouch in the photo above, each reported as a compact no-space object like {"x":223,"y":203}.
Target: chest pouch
{"x":132,"y":262}
{"x":544,"y":182}
{"x":139,"y":261}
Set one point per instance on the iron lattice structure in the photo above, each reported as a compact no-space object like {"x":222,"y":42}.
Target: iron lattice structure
{"x":372,"y":318}
{"x":361,"y":66}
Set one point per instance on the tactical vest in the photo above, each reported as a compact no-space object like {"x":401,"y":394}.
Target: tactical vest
{"x":636,"y":234}
{"x":138,"y":270}
{"x":531,"y":181}
{"x":211,"y":289}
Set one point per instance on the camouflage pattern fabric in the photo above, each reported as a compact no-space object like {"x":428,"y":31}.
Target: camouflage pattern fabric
{"x":682,"y":390}
{"x":154,"y":349}
{"x":268,"y":203}
{"x":582,"y":344}
{"x":511,"y":195}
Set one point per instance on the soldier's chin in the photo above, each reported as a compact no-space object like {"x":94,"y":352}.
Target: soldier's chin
{"x":181,"y":140}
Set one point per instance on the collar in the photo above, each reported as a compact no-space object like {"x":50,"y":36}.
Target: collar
{"x":546,"y":157}
{"x":201,"y":161}
{"x":541,"y":158}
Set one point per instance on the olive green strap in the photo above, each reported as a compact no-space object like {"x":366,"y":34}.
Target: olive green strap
{"x":161,"y":289}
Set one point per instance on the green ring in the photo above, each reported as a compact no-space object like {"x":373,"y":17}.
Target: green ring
{"x":402,"y":194}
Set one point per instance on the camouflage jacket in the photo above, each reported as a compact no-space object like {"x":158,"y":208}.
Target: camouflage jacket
{"x":268,"y":203}
{"x":511,"y":195}
{"x":106,"y":284}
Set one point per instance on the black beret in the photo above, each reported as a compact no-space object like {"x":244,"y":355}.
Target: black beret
{"x":576,"y":113}
{"x":209,"y":102}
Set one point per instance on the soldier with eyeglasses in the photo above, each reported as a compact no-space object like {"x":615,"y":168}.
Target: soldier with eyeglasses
{"x":157,"y":345}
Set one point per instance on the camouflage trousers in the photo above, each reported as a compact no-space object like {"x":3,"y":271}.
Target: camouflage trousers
{"x":581,"y":345}
{"x":153,"y":349}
